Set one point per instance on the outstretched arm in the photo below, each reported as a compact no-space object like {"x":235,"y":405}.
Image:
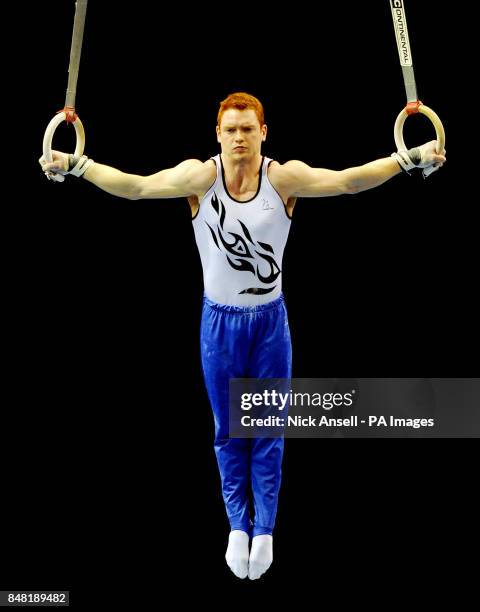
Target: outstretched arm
{"x":186,"y":179}
{"x":296,"y":178}
{"x":114,"y":181}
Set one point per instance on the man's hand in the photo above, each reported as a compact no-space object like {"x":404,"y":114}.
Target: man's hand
{"x":59,"y":165}
{"x":429,"y":156}
{"x":424,"y":157}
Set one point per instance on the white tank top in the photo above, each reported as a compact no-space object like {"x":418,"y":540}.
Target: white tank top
{"x":241,"y":244}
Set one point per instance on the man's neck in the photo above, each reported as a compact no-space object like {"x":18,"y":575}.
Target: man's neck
{"x":240,"y":174}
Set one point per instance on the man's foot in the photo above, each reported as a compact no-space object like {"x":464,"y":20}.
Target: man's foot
{"x":261,"y":556}
{"x":237,"y":553}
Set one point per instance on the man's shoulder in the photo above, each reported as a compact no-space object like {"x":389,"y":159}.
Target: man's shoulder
{"x":281,"y":176}
{"x":201,"y":173}
{"x":198,"y":166}
{"x":286,"y":167}
{"x":284,"y":173}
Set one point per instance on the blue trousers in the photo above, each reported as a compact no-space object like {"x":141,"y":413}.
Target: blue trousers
{"x":245,"y":342}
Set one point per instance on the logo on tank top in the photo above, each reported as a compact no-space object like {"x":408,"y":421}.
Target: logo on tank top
{"x":242,"y":251}
{"x":266,"y":205}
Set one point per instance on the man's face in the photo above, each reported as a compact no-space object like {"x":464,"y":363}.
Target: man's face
{"x":241,"y":134}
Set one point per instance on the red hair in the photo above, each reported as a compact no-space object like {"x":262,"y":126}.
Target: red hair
{"x":241,"y":101}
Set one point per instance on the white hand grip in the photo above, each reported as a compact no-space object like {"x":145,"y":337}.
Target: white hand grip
{"x":428,"y":171}
{"x":48,"y":137}
{"x":434,"y":118}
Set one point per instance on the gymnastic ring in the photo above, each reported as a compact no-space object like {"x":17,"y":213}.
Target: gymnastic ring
{"x":418,"y":107}
{"x":69,"y":117}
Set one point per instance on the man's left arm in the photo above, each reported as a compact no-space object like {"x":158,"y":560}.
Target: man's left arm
{"x":303,"y":181}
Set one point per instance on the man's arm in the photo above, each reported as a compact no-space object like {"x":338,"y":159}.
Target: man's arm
{"x":191,"y":177}
{"x":114,"y":181}
{"x":296,"y":178}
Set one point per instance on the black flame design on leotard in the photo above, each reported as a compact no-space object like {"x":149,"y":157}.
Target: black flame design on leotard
{"x":239,"y":252}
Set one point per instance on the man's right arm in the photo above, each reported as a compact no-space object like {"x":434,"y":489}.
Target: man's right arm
{"x":183,"y":180}
{"x":191,"y":177}
{"x":113,"y":181}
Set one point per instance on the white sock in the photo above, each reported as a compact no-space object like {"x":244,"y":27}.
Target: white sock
{"x":237,"y":553}
{"x":261,"y":556}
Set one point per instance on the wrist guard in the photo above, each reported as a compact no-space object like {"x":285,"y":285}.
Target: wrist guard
{"x":78,"y":165}
{"x":407,"y":160}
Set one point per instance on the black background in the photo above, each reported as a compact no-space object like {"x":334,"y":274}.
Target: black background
{"x":108,"y":463}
